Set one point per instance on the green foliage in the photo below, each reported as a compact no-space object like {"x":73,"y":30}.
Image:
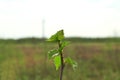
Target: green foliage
{"x":57,"y":62}
{"x":64,"y":44}
{"x":57,"y":36}
{"x":71,"y":62}
{"x":57,"y":54}
{"x":52,"y":53}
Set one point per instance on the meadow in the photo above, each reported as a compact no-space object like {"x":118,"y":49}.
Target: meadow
{"x":27,"y":60}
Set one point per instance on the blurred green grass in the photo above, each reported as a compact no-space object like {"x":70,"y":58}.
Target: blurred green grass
{"x":28,"y":61}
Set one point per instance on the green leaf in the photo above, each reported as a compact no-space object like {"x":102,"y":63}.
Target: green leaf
{"x":71,"y":62}
{"x":57,"y":62}
{"x":57,"y":36}
{"x":60,"y":35}
{"x":52,"y":53}
{"x":64,"y":44}
{"x":53,"y":38}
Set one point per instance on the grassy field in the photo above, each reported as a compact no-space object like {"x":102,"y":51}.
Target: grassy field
{"x":28,"y":61}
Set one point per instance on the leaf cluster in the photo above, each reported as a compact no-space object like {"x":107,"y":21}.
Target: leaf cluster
{"x":55,"y":53}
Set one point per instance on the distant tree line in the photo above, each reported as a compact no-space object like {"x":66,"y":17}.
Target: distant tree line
{"x":71,"y":39}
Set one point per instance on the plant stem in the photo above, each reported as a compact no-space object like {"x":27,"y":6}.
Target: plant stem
{"x":62,"y":61}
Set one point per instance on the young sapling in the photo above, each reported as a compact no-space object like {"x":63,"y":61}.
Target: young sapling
{"x":57,"y":54}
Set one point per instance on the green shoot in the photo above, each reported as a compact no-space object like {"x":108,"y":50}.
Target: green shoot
{"x":57,"y":54}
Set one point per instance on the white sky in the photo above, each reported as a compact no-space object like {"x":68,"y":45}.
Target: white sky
{"x":83,"y":18}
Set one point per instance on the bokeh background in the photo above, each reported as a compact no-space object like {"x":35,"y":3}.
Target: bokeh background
{"x":91,"y":26}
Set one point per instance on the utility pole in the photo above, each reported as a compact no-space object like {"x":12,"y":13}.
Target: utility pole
{"x":43,"y":28}
{"x":44,"y":44}
{"x":115,"y":34}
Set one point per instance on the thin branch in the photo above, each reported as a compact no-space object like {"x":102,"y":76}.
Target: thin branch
{"x":62,"y":61}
